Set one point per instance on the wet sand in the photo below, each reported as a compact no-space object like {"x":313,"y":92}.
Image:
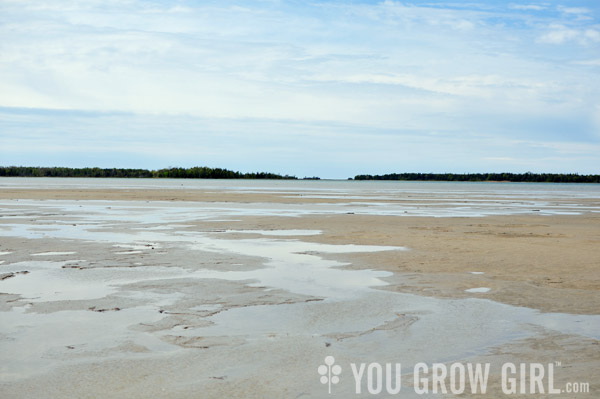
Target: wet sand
{"x":242,"y":294}
{"x":550,"y":263}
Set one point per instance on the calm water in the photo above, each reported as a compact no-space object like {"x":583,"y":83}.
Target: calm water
{"x":143,"y":257}
{"x":317,"y":186}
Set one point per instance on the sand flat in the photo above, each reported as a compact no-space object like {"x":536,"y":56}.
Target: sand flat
{"x":227,"y":293}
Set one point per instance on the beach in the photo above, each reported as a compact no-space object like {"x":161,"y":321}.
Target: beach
{"x":121,"y":288}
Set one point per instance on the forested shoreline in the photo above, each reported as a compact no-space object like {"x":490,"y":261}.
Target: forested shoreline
{"x":202,"y":172}
{"x":489,"y":177}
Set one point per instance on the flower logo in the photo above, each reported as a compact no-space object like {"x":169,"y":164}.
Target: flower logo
{"x":329,"y":372}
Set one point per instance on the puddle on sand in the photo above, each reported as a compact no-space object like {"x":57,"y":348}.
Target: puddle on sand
{"x":296,"y":266}
{"x":477,"y":272}
{"x":164,"y":212}
{"x":136,"y":247}
{"x":388,"y":325}
{"x":38,"y":340}
{"x":281,"y":233}
{"x":49,"y":281}
{"x":478,"y":290}
{"x":351,"y":309}
{"x":53,"y":253}
{"x":290,"y":264}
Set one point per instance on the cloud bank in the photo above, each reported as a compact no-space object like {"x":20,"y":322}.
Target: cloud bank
{"x":329,"y":88}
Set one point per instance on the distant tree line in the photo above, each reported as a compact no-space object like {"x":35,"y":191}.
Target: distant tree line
{"x":482,"y":177}
{"x":202,"y":172}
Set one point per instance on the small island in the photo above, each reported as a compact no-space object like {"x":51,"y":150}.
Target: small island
{"x":487,"y":177}
{"x":198,"y":172}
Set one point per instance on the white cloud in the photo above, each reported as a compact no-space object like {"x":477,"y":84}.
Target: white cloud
{"x":579,"y":13}
{"x":574,"y":10}
{"x":533,"y":7}
{"x":592,"y":62}
{"x":592,"y":35}
{"x":383,"y":67}
{"x":560,"y":34}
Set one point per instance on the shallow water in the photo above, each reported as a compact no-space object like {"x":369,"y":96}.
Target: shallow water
{"x":442,"y":199}
{"x":320,"y":187}
{"x":347,"y":304}
{"x":480,"y":290}
{"x":53,"y":253}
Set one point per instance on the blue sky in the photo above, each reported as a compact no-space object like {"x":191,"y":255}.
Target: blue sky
{"x":327,"y":88}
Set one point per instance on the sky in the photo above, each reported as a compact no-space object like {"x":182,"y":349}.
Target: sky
{"x":307,"y":88}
